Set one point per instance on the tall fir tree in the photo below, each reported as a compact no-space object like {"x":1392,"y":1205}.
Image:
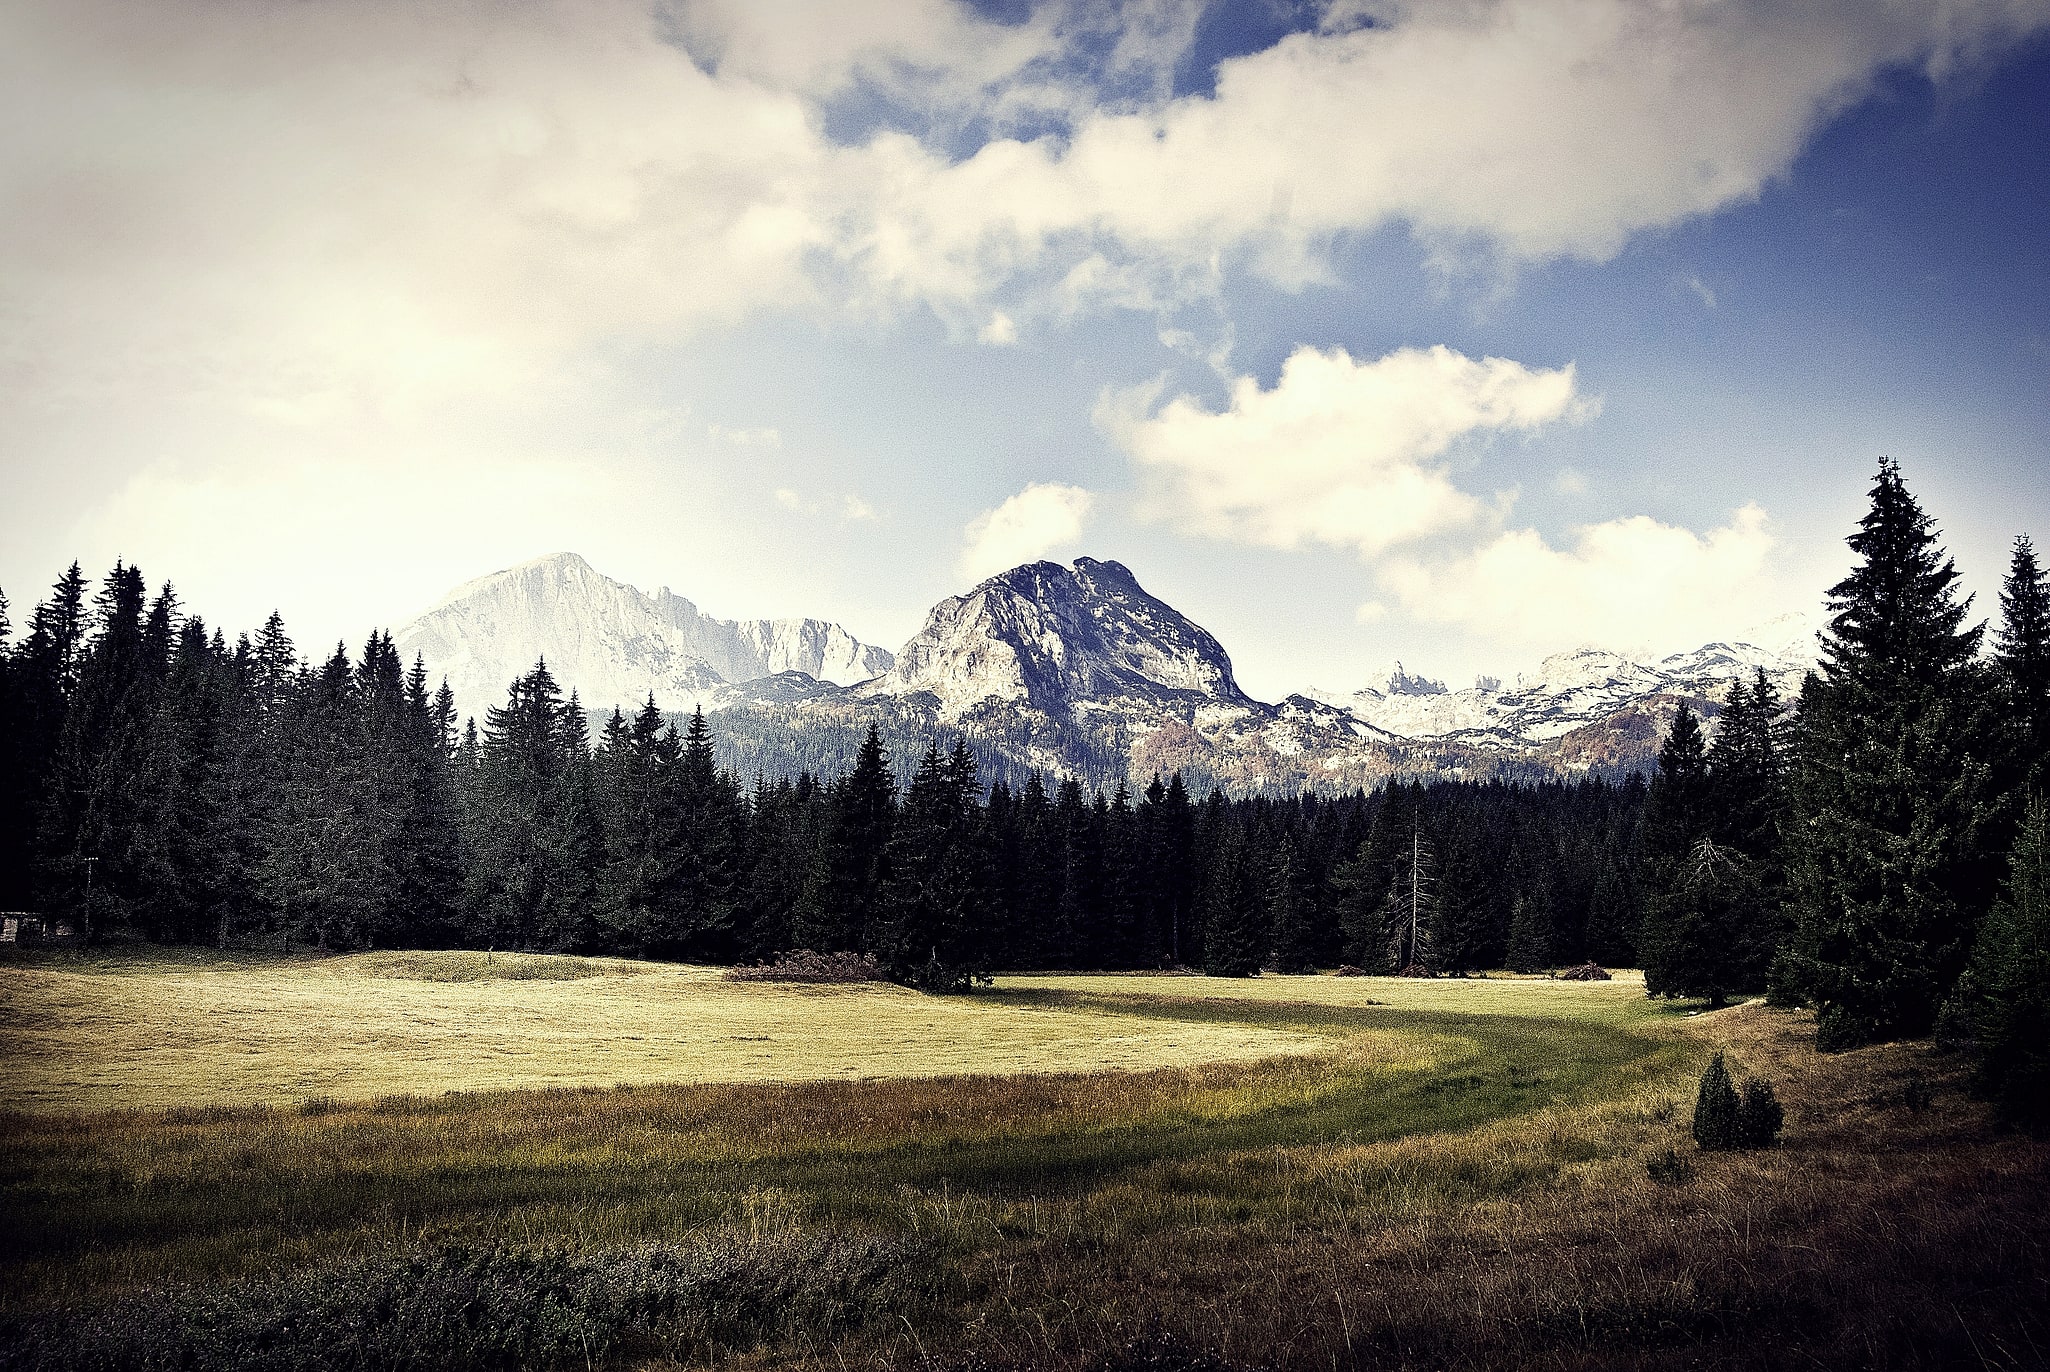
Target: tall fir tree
{"x":89,"y":813}
{"x":1888,"y":868}
{"x":2003,"y":1000}
{"x":2021,"y":656}
{"x":858,"y":848}
{"x":1234,"y":908}
{"x":935,"y":909}
{"x":1290,"y":912}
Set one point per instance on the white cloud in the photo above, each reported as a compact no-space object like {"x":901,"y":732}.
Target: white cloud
{"x":1625,"y":584}
{"x":1000,"y":332}
{"x":1025,"y":528}
{"x":1340,"y":452}
{"x":744,"y":438}
{"x":1701,"y":290}
{"x":855,"y":509}
{"x":1570,"y":481}
{"x":789,"y":499}
{"x":303,"y":210}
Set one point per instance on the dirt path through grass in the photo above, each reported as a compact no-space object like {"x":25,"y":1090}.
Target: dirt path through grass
{"x":126,"y":1196}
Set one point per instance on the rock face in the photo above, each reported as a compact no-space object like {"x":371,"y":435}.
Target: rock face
{"x":613,"y":643}
{"x":1081,"y":640}
{"x":1067,"y":669}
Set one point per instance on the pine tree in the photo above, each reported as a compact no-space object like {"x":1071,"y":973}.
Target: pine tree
{"x":935,"y":903}
{"x":1234,"y":914}
{"x":1888,"y":870}
{"x":1716,"y":1109}
{"x":2004,"y":998}
{"x":1288,"y":913}
{"x":2022,"y":658}
{"x":708,"y":885}
{"x":1411,"y":910}
{"x":1685,"y":872}
{"x":1532,"y":922}
{"x":859,"y":843}
{"x":636,"y":781}
{"x":87,"y":827}
{"x":514,"y":820}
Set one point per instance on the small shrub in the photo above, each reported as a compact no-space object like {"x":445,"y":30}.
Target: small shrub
{"x":1586,"y":971}
{"x":804,"y":965}
{"x":1669,"y":1168}
{"x":1838,"y":1030}
{"x":1725,"y":1118}
{"x":1715,"y":1109}
{"x":1759,"y":1116}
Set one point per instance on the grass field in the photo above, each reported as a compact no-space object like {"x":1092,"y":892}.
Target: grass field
{"x":166,"y":1028}
{"x":1365,"y":1172}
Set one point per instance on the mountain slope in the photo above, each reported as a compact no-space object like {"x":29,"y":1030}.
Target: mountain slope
{"x":1074,"y":670}
{"x":1061,"y":639}
{"x":613,"y":643}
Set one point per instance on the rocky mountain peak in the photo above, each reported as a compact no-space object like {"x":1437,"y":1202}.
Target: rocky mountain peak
{"x":614,"y":644}
{"x":1061,"y":638}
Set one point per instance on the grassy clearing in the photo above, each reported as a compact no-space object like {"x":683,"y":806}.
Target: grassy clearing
{"x":162,"y":1029}
{"x":1457,"y":1177}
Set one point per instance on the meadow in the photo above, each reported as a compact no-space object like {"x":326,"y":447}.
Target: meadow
{"x":581,"y":1162}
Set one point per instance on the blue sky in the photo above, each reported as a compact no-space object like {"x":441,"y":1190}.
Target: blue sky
{"x":1452,"y":333}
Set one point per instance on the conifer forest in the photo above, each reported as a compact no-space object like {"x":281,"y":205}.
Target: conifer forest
{"x":1874,"y":848}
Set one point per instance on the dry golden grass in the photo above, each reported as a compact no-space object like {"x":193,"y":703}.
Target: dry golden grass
{"x":162,"y":1030}
{"x":1457,"y":1178}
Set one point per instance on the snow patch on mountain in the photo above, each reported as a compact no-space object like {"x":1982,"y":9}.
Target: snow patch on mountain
{"x":614,"y":644}
{"x":1063,"y":640}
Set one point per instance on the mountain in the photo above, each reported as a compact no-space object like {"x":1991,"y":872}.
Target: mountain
{"x":1573,"y":691}
{"x":615,"y":644}
{"x":1080,"y":670}
{"x":1075,"y":670}
{"x":1086,"y":640}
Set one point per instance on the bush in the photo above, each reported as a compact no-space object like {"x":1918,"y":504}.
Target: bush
{"x":1724,"y":1118}
{"x":1668,"y":1168}
{"x":1715,"y":1109}
{"x":803,"y":965}
{"x":1759,"y":1116}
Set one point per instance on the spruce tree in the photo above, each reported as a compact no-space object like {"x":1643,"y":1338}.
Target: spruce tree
{"x":88,"y":824}
{"x":709,"y":884}
{"x":1410,"y":912}
{"x":935,"y":918}
{"x":859,"y":843}
{"x":2003,"y":1000}
{"x":1888,"y":871}
{"x":1717,"y":1108}
{"x":2021,"y":656}
{"x":1288,"y":913}
{"x":1234,"y":913}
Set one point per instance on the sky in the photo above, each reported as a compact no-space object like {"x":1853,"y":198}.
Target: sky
{"x":1455,"y":332}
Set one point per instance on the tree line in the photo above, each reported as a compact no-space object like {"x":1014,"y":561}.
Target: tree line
{"x":1867,"y":848}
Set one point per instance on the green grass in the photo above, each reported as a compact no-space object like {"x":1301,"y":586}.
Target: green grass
{"x":1338,"y":1197}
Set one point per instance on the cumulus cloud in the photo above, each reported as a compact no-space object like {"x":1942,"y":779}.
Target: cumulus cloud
{"x":1623,"y":584}
{"x":1036,"y":521}
{"x":1338,"y":451}
{"x":303,"y":209}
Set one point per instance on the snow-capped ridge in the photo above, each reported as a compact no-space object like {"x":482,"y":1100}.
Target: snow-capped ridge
{"x":615,"y":644}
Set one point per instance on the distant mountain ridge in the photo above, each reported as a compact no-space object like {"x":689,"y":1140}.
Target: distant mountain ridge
{"x":615,"y":644}
{"x":1067,"y":669}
